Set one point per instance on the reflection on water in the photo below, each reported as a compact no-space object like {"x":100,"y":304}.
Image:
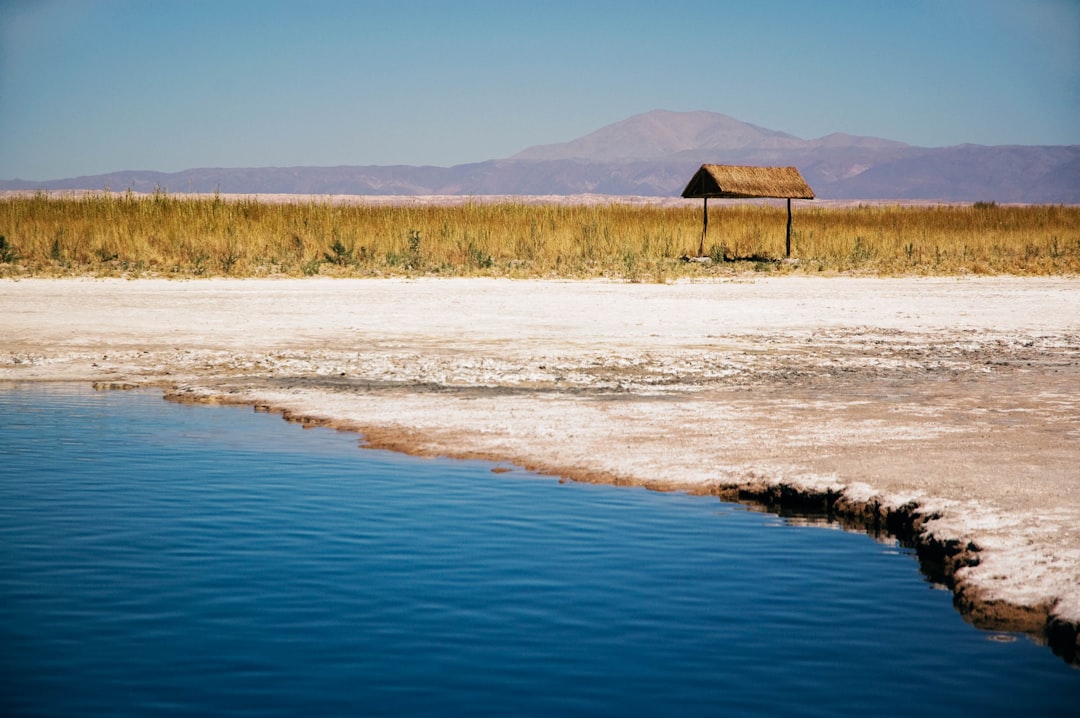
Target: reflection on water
{"x":158,"y":559}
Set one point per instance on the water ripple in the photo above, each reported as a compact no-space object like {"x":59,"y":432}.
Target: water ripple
{"x":158,"y":559}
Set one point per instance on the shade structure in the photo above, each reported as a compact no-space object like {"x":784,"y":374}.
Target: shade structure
{"x":743,"y":182}
{"x":746,"y":182}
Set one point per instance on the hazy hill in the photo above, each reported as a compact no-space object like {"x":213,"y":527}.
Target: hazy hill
{"x":655,"y":153}
{"x":663,"y":135}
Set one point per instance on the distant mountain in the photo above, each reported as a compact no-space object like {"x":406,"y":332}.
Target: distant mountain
{"x":655,"y":154}
{"x":523,"y":177}
{"x":837,"y":166}
{"x":665,"y":135}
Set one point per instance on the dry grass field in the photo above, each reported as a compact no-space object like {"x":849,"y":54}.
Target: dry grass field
{"x":111,"y":234}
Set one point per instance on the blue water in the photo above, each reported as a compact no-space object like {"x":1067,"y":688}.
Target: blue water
{"x":159,"y":559}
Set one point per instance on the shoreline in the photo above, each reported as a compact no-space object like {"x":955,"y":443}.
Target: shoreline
{"x":940,"y":410}
{"x":451,"y":200}
{"x":939,"y":557}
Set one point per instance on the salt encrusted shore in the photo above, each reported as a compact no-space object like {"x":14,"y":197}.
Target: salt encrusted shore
{"x":454,"y":200}
{"x":942,"y":410}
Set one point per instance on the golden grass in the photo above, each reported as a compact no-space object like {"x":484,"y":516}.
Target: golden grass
{"x":159,"y":235}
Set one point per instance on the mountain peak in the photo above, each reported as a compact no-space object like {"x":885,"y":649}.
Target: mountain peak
{"x":663,"y":134}
{"x":842,"y":139}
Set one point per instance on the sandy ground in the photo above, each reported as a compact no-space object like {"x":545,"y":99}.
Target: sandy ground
{"x":451,"y":200}
{"x":945,"y":410}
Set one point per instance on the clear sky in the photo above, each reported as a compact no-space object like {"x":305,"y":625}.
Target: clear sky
{"x":93,"y":86}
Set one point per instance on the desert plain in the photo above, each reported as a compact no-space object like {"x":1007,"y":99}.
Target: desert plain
{"x":942,"y":410}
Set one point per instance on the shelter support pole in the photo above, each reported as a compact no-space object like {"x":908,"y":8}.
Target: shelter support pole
{"x":704,"y":228}
{"x":788,"y":242}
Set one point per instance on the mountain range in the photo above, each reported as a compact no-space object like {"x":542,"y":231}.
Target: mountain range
{"x":655,"y":154}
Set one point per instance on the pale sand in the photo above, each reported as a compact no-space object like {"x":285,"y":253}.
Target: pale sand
{"x":950,"y":405}
{"x":453,"y":200}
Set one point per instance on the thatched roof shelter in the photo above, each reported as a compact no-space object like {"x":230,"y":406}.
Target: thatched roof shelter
{"x":739,"y":181}
{"x":744,"y":182}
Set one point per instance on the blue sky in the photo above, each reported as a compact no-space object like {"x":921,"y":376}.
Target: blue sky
{"x":93,"y":86}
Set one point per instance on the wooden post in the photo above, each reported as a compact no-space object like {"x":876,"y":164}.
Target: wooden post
{"x":788,"y":243}
{"x":704,"y":228}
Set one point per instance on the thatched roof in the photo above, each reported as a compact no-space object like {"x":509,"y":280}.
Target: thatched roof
{"x":745,"y":182}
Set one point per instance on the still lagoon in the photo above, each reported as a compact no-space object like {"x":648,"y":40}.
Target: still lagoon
{"x":159,"y":559}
